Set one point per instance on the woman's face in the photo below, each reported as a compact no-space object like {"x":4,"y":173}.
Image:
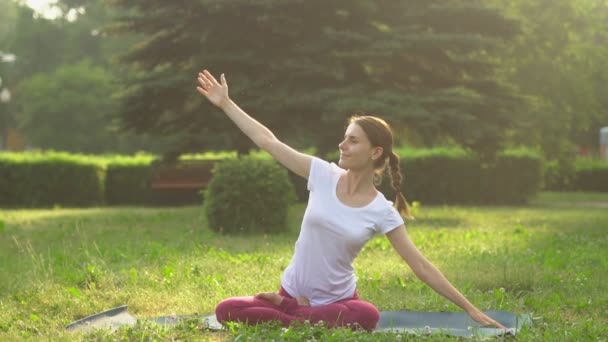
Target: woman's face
{"x":356,"y":151}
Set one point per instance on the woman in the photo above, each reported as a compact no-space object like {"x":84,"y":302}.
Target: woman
{"x":344,"y":211}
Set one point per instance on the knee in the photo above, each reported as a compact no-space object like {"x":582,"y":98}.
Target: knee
{"x":224,"y":309}
{"x":366,"y":316}
{"x":370,"y":318}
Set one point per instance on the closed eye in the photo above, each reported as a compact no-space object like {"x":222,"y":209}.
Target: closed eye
{"x":350,"y":138}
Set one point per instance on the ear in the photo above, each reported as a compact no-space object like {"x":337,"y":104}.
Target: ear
{"x":377,"y":152}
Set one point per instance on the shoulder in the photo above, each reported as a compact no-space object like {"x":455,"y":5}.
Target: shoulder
{"x":388,"y":216}
{"x":325,"y":166}
{"x":322,"y":172}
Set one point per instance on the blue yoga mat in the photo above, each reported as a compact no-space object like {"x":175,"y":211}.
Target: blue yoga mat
{"x":410,"y":322}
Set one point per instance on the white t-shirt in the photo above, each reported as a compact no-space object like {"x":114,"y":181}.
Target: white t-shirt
{"x":331,"y":236}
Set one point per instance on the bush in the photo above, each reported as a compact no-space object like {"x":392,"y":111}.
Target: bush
{"x":248,"y":196}
{"x":514,"y":177}
{"x":559,"y":175}
{"x":439,"y":175}
{"x":455,"y":176}
{"x":47,"y":179}
{"x":451,"y":175}
{"x":591,"y":175}
{"x":583,"y":174}
{"x":127,"y":181}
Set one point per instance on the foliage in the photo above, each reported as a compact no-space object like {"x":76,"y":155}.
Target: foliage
{"x":35,"y":180}
{"x":8,"y":16}
{"x":422,"y":64}
{"x":437,"y":70}
{"x":42,"y":47}
{"x":75,"y":99}
{"x":127,"y":181}
{"x":440,"y":175}
{"x":560,"y":61}
{"x":591,"y":175}
{"x":452,"y":175}
{"x":581,"y":174}
{"x":248,"y":196}
{"x":559,"y":175}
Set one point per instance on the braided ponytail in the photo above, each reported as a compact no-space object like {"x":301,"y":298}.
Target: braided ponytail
{"x":395,"y":175}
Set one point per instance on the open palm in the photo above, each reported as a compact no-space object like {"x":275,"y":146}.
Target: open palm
{"x":215,"y":92}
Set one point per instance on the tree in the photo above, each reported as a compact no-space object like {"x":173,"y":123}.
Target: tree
{"x":42,"y":46}
{"x":8,"y":21}
{"x":302,"y":70}
{"x":561,"y":61}
{"x":67,"y":109}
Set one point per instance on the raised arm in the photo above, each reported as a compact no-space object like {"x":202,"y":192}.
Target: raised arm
{"x":217,"y":94}
{"x":428,"y":273}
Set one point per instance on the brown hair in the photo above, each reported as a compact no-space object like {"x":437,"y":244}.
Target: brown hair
{"x":380,"y":134}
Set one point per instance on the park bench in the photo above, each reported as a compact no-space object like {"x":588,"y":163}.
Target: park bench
{"x":182,"y":175}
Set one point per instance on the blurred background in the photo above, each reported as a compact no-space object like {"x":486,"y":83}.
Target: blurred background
{"x":118,"y":76}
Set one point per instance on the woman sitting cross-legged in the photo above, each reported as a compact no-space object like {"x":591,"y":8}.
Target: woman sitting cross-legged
{"x":345,"y":210}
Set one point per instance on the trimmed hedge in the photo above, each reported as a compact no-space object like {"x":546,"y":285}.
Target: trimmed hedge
{"x":434,"y":176}
{"x":582,"y":174}
{"x":591,"y":175}
{"x":127,"y":181}
{"x":47,"y":179}
{"x":515,"y":177}
{"x":456,"y":176}
{"x":248,"y":195}
{"x":559,"y":175}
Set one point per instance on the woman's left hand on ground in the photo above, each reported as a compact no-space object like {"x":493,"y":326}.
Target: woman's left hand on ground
{"x":485,"y":320}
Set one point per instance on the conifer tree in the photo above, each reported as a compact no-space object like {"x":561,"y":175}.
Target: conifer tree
{"x":302,"y":66}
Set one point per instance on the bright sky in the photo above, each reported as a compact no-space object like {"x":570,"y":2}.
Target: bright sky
{"x":45,"y":8}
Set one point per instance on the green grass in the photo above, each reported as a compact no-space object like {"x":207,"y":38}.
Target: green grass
{"x":56,"y":266}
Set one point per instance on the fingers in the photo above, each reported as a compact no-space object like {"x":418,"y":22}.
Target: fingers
{"x":207,"y":80}
{"x":303,"y":301}
{"x":490,"y":322}
{"x":264,"y":295}
{"x":204,"y":81}
{"x":210,"y":77}
{"x":271,"y":297}
{"x":202,"y":91}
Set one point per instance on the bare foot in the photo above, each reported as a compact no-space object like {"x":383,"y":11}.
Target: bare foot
{"x":303,"y":301}
{"x":272,"y":297}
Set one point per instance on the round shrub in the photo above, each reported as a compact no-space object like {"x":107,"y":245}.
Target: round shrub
{"x":248,"y":195}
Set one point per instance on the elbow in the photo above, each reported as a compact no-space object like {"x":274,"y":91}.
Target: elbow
{"x":423,"y":272}
{"x":266,"y":142}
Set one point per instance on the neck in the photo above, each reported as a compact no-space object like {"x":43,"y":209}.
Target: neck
{"x":359,"y":182}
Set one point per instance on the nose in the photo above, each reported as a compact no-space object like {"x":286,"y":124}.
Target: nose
{"x":341,"y":145}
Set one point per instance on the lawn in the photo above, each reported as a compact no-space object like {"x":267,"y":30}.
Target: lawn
{"x":58,"y":265}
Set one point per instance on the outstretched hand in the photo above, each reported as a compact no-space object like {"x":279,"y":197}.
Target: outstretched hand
{"x":214,"y":91}
{"x":485,"y":320}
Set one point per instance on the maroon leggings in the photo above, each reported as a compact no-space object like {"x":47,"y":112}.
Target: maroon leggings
{"x":352,"y":312}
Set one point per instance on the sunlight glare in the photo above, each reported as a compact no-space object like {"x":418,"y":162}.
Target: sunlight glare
{"x":45,"y":8}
